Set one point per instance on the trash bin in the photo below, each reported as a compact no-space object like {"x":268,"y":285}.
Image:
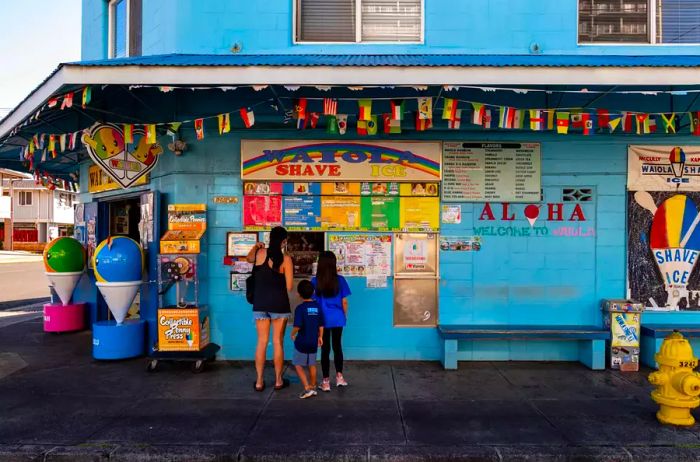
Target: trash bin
{"x":623,"y":317}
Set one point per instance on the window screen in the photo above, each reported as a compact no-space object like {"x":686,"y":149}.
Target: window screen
{"x":391,"y":20}
{"x":678,"y":21}
{"x":326,"y":21}
{"x":119,"y":28}
{"x":623,"y":21}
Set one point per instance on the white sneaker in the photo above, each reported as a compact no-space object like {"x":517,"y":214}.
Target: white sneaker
{"x":340,"y":381}
{"x":307,"y":394}
{"x":325,"y":385}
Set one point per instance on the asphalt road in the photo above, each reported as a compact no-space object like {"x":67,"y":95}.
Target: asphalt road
{"x":20,"y":280}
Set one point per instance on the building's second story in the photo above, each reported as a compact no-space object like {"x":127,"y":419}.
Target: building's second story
{"x":31,"y":202}
{"x":118,"y":28}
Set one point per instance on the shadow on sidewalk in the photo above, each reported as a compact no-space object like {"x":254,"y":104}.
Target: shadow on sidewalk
{"x":58,"y":402}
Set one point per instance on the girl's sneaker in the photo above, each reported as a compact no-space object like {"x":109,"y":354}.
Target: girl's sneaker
{"x":325,"y":385}
{"x":340,"y":381}
{"x":308,"y":394}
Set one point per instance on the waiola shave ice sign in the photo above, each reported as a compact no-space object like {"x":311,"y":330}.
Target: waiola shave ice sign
{"x":279,"y":160}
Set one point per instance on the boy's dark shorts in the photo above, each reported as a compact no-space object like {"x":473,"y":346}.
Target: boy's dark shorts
{"x":303,"y":359}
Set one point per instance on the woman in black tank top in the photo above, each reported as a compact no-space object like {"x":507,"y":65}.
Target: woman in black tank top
{"x":273,"y":281}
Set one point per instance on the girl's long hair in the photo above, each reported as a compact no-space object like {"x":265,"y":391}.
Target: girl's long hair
{"x":327,"y":275}
{"x":274,"y":249}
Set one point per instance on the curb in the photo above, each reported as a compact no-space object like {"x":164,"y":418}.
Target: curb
{"x":221,"y":453}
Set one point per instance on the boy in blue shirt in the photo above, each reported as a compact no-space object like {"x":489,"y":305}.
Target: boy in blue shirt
{"x":308,"y":336}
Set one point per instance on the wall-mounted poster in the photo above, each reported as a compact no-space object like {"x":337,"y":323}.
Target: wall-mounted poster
{"x":663,"y":168}
{"x":452,"y":214}
{"x":262,"y":212}
{"x":239,"y":244}
{"x":460,"y":243}
{"x":663,"y":250}
{"x":328,"y":161}
{"x":362,"y":254}
{"x":340,"y":212}
{"x":419,"y":214}
{"x":484,"y":171}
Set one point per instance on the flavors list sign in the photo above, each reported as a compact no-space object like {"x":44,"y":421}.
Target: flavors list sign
{"x":485,"y":172}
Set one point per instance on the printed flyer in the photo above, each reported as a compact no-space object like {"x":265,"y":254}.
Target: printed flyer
{"x":362,"y":254}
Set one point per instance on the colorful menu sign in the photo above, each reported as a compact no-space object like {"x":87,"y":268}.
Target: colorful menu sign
{"x":491,"y":172}
{"x":293,"y":160}
{"x":262,"y":212}
{"x":340,"y":212}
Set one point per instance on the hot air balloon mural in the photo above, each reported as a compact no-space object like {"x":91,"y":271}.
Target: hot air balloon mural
{"x":675,"y":245}
{"x":64,"y":264}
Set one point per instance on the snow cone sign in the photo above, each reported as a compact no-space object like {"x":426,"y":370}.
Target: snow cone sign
{"x":675,"y":245}
{"x":663,"y":168}
{"x":125,"y":157}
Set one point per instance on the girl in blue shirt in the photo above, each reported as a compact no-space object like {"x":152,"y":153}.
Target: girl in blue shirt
{"x":332,"y":291}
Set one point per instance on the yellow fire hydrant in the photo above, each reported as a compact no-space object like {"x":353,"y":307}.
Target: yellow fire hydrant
{"x":677,"y":386}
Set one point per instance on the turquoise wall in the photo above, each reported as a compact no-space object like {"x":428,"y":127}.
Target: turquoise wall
{"x":470,"y":27}
{"x":536,"y":279}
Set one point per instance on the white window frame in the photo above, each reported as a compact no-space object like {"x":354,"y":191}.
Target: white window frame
{"x":358,"y":28}
{"x":22,"y":198}
{"x":111,"y":32}
{"x":651,"y":29}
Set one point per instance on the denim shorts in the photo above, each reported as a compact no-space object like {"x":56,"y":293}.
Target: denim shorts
{"x":303,"y":359}
{"x":263,"y":315}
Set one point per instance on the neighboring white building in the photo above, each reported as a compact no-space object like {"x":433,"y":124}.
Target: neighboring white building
{"x":39,"y":214}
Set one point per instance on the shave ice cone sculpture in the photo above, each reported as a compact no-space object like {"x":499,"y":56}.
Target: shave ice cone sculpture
{"x":64,"y":264}
{"x":675,"y":245}
{"x":118,"y":263}
{"x":677,"y":159}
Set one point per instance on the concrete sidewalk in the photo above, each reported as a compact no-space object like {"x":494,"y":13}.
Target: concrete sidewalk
{"x":56,"y":403}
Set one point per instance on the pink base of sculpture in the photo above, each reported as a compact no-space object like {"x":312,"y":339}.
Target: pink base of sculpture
{"x":64,"y":318}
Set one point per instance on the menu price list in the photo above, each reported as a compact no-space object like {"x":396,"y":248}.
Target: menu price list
{"x":476,"y":172}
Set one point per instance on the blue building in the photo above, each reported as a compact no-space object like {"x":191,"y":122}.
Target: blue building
{"x":514,"y":124}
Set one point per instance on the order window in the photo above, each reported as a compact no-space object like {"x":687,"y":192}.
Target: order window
{"x":359,"y":21}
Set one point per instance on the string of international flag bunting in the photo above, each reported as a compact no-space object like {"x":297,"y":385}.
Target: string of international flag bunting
{"x":586,"y":121}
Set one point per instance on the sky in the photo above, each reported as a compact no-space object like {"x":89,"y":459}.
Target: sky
{"x":35,"y":36}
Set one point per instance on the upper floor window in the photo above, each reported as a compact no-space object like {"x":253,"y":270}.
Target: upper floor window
{"x":639,"y":21}
{"x":359,"y":21}
{"x":65,"y":200}
{"x":24,"y":197}
{"x":124,"y":28}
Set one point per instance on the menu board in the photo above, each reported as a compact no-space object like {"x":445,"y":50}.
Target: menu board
{"x":380,"y":213}
{"x":420,"y":214}
{"x":362,"y":254}
{"x":262,"y":211}
{"x":340,"y":212}
{"x":301,"y":212}
{"x":485,"y":172}
{"x":342,"y":206}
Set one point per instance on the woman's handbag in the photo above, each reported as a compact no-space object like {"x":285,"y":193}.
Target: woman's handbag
{"x":250,"y":282}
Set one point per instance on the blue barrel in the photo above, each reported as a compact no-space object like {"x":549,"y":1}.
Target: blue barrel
{"x":112,"y":341}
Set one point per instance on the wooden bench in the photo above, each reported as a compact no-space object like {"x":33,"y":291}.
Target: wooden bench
{"x":591,"y":339}
{"x":654,"y":334}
